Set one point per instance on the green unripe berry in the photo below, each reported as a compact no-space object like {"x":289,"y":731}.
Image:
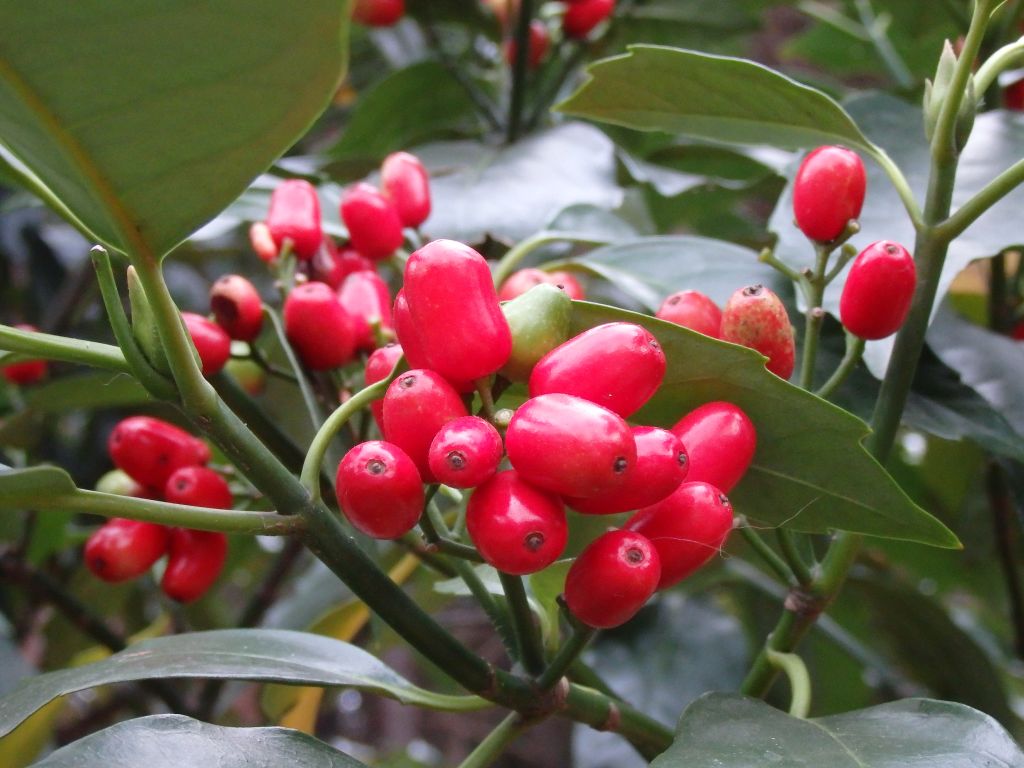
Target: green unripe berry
{"x":539,"y":320}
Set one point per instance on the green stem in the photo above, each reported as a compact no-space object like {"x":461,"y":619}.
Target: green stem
{"x":984,"y":199}
{"x":814,"y":292}
{"x":854,"y":352}
{"x":799,"y":681}
{"x":767,"y":256}
{"x":788,"y":545}
{"x":511,"y":260}
{"x":1010,"y":55}
{"x":766,"y":553}
{"x":530,"y":650}
{"x":308,"y":395}
{"x":520,"y":70}
{"x":490,"y":748}
{"x":48,"y":347}
{"x":566,"y":655}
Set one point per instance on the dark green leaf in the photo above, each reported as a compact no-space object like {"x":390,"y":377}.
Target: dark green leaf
{"x":125,"y":110}
{"x":810,"y":472}
{"x":710,"y":97}
{"x":726,"y":731}
{"x":22,"y":487}
{"x":89,"y":390}
{"x":171,"y":741}
{"x":265,"y":655}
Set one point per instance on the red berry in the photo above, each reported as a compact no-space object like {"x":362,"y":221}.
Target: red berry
{"x":617,"y":365}
{"x":1018,"y":331}
{"x":755,"y":317}
{"x":151,"y":450}
{"x":1013,"y":96}
{"x":520,"y":282}
{"x":693,"y":310}
{"x":828,"y":191}
{"x":540,"y":41}
{"x":198,"y":487}
{"x":237,"y":307}
{"x":123,"y":549}
{"x":720,"y":440}
{"x":582,"y":16}
{"x":365,"y":296}
{"x":465,"y":452}
{"x":378,"y":367}
{"x":380,"y":490}
{"x":378,"y":13}
{"x":570,"y":446}
{"x":688,"y":529}
{"x":661,"y":465}
{"x":454,"y":308}
{"x":262,"y":241}
{"x":319,"y":328}
{"x":878,"y":291}
{"x":416,"y":406}
{"x":27,"y":371}
{"x":332,"y":266}
{"x":194,"y":563}
{"x":295,"y":215}
{"x":211,"y":342}
{"x":516,"y":527}
{"x":612,"y":579}
{"x":405,"y":182}
{"x":374,"y":228}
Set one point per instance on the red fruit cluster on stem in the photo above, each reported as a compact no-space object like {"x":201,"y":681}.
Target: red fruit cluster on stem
{"x":295,"y":215}
{"x":125,"y":549}
{"x":374,"y":227}
{"x":878,"y":291}
{"x":318,"y":327}
{"x":151,"y":450}
{"x":828,"y":192}
{"x":194,"y":561}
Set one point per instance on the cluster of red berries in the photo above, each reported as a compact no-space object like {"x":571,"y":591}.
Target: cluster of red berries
{"x":157,"y":460}
{"x":27,"y":371}
{"x":568,"y":445}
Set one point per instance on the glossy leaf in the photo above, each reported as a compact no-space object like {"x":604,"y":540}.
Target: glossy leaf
{"x":264,"y":655}
{"x":810,"y":472}
{"x":719,"y":98}
{"x":727,"y":731}
{"x":170,"y":741}
{"x":22,"y":487}
{"x":120,"y":108}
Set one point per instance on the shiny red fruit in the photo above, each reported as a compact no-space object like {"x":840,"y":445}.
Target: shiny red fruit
{"x":616,"y":365}
{"x":150,"y":450}
{"x":417,"y":404}
{"x":661,"y":465}
{"x":378,"y":367}
{"x":582,"y":16}
{"x":318,"y":327}
{"x":198,"y":487}
{"x":262,"y":241}
{"x":540,"y":41}
{"x":1018,"y":331}
{"x":720,"y":440}
{"x":612,"y":579}
{"x":378,"y":13}
{"x":374,"y":228}
{"x":195,"y":561}
{"x":465,"y":452}
{"x":211,"y":342}
{"x":828,"y":191}
{"x":123,"y":549}
{"x":454,"y":308}
{"x":367,"y":299}
{"x":1013,"y":96}
{"x":878,"y":291}
{"x":755,"y":317}
{"x":693,"y":310}
{"x":570,"y":446}
{"x":27,"y":371}
{"x":295,"y":215}
{"x":688,"y":529}
{"x":516,"y":527}
{"x":406,"y":183}
{"x":520,"y":282}
{"x":379,"y":489}
{"x":237,"y":307}
{"x":332,"y":265}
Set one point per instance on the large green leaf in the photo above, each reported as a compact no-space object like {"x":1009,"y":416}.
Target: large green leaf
{"x":146,"y":119}
{"x":265,"y":655}
{"x":171,"y":741}
{"x":22,"y":487}
{"x":726,"y":731}
{"x":711,"y":97}
{"x":810,"y":472}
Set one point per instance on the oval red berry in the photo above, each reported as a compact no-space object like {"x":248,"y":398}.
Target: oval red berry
{"x":720,"y":440}
{"x":612,"y":579}
{"x":123,"y":549}
{"x":828,"y":191}
{"x":194,"y":562}
{"x":295,"y":215}
{"x":211,"y":342}
{"x":379,"y":489}
{"x":756,"y":318}
{"x":318,"y":327}
{"x":878,"y":291}
{"x":374,"y":228}
{"x":405,"y":182}
{"x":237,"y":307}
{"x":198,"y":487}
{"x":150,"y":450}
{"x":693,"y":310}
{"x":465,"y":452}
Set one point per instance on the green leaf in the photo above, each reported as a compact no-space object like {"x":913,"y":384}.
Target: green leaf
{"x":263,"y":655}
{"x":23,"y":487}
{"x":810,"y":472}
{"x":719,"y":98}
{"x":726,"y":731}
{"x":146,"y":119}
{"x":171,"y":741}
{"x":86,"y":391}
